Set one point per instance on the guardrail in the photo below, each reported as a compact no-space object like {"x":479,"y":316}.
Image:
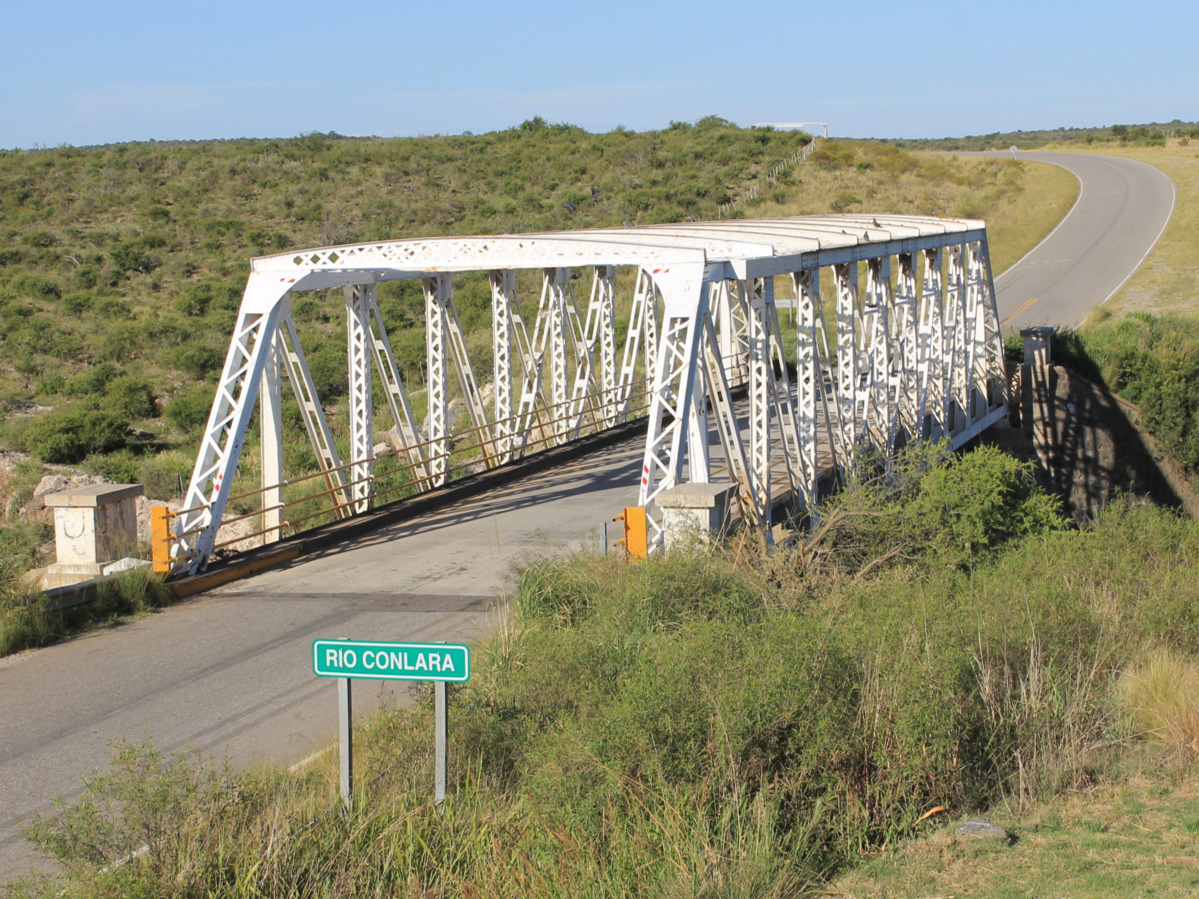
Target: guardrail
{"x":393,"y":472}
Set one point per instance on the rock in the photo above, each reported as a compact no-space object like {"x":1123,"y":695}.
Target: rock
{"x":144,"y":504}
{"x":55,"y":483}
{"x":123,"y":565}
{"x":986,"y":830}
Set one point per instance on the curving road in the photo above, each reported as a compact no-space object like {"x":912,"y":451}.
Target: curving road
{"x":1122,"y":209}
{"x":229,"y":673}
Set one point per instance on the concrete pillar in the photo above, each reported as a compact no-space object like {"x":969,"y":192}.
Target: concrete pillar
{"x":1037,"y":346}
{"x":693,"y":513}
{"x":1037,"y":383}
{"x":93,"y":527}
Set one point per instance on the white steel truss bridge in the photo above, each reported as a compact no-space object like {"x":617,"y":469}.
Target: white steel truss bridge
{"x":894,"y":337}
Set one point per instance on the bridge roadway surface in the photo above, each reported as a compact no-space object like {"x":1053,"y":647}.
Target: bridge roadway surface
{"x":228,"y":673}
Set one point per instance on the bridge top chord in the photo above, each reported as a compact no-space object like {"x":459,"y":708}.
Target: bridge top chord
{"x":739,"y":248}
{"x":911,"y":350}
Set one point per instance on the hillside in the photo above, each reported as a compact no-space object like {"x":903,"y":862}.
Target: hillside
{"x":122,"y":266}
{"x":1154,"y":134}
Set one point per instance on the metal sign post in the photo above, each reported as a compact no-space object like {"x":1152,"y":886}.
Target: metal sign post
{"x":439,"y":742}
{"x":345,"y":714}
{"x":345,"y":660}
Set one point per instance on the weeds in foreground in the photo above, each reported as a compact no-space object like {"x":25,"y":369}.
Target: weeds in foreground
{"x":692,"y":727}
{"x":1161,"y":696}
{"x":27,"y":622}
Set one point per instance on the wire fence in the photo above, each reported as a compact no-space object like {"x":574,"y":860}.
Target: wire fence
{"x":771,"y":177}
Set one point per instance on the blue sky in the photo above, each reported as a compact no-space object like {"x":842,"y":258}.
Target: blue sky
{"x":90,"y":73}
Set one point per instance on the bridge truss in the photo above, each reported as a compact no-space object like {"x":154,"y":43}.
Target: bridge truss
{"x":895,"y":338}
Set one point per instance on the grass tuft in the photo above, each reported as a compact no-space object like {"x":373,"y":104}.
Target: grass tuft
{"x":1161,"y":696}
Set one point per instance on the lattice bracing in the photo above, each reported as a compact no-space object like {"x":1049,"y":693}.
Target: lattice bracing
{"x":914,"y":352}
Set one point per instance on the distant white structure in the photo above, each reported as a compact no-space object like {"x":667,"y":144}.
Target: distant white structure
{"x":823,"y":125}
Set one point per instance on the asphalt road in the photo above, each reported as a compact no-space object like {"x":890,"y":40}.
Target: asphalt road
{"x":229,"y":674}
{"x":1122,"y":209}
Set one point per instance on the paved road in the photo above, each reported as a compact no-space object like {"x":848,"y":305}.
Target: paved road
{"x":1122,"y":209}
{"x":228,"y":673}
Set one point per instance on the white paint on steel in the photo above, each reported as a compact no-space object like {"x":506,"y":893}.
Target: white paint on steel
{"x":916,"y":355}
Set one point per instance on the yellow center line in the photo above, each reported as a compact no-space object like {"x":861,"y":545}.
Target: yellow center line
{"x":1018,"y":311}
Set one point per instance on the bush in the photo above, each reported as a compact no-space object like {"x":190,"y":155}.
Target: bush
{"x":129,"y":398}
{"x":93,"y":382}
{"x":133,"y":256}
{"x":188,"y":411}
{"x":1151,"y":361}
{"x":197,"y":360}
{"x":194,"y":300}
{"x":70,"y":435}
{"x":120,"y":467}
{"x":165,"y":476}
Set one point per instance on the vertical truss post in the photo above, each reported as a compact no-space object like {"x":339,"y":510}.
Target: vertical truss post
{"x":931,"y":371}
{"x":699,"y":452}
{"x":225,"y":432}
{"x":808,"y":379}
{"x":437,"y":295}
{"x":880,"y":416}
{"x":601,"y":333}
{"x":362,"y":457}
{"x":955,"y":340}
{"x":974,"y":345}
{"x":503,"y":298}
{"x":846,"y":277}
{"x":557,"y":281}
{"x":653,"y":325}
{"x":270,"y":415}
{"x":686,"y":298}
{"x":759,"y":394}
{"x":904,"y":328}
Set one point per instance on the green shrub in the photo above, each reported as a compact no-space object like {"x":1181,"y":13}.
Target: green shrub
{"x":70,"y":435}
{"x":1151,"y":361}
{"x":188,"y":411}
{"x":93,"y":382}
{"x":133,"y":257}
{"x":121,"y":466}
{"x":129,"y":398}
{"x":194,"y":300}
{"x":166,"y":475}
{"x":196,"y":360}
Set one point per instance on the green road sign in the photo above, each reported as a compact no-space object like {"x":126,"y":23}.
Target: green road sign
{"x":391,"y":661}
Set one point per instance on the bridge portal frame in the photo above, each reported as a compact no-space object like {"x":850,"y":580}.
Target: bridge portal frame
{"x":918,"y":354}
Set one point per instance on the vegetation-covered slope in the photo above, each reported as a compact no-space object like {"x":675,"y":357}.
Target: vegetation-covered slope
{"x":121,"y":267}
